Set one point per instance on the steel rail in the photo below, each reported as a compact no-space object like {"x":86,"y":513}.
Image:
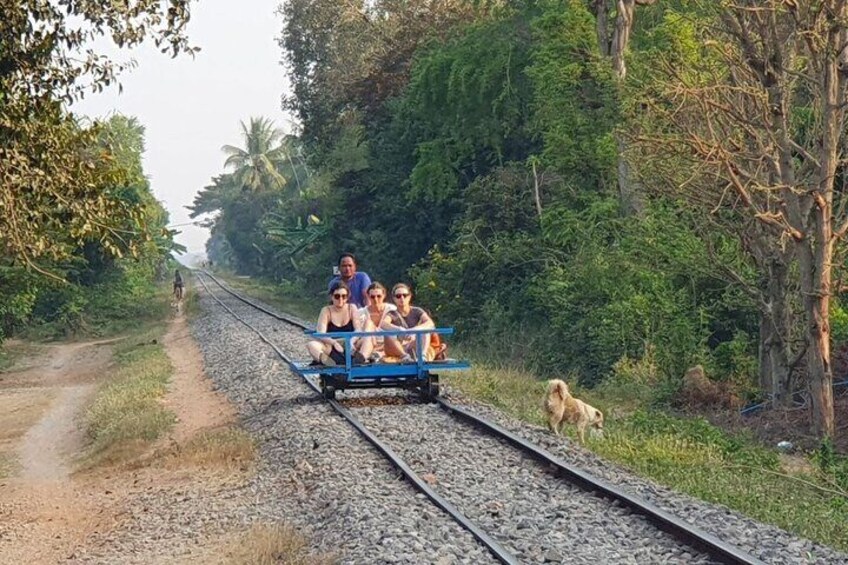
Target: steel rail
{"x":665,"y":521}
{"x":683,"y":531}
{"x":496,"y":549}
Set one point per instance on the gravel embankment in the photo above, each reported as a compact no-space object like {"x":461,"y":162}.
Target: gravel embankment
{"x":459,"y":475}
{"x":537,"y":517}
{"x":769,"y":543}
{"x":316,"y":472}
{"x":532,"y":513}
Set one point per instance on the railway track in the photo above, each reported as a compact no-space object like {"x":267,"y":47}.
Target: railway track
{"x":406,"y":439}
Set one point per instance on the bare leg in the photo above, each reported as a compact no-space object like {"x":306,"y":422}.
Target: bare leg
{"x":425,"y":346}
{"x":393,"y":347}
{"x":425,"y":343}
{"x":316,"y":348}
{"x":366,"y":344}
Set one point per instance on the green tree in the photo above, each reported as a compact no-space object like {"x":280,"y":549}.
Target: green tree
{"x":258,"y":165}
{"x":255,"y":197}
{"x":101,"y":280}
{"x":54,"y":191}
{"x":760,"y":125}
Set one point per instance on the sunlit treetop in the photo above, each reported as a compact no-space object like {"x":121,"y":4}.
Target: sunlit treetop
{"x":60,"y":181}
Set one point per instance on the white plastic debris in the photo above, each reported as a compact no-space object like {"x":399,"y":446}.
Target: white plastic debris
{"x":784,"y":445}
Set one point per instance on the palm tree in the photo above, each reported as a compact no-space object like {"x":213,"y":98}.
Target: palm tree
{"x":258,"y":166}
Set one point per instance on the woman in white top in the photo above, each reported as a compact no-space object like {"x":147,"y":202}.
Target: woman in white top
{"x":375,"y":315}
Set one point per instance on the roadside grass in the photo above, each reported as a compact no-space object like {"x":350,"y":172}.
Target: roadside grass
{"x":126,"y":414}
{"x":8,"y":465}
{"x":229,"y":448}
{"x":14,"y":353}
{"x":191,"y":306}
{"x":686,"y":454}
{"x":267,"y":544}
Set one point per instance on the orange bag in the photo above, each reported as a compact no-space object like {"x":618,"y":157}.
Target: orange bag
{"x":438,"y":347}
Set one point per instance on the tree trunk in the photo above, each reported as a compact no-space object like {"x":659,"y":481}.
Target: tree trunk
{"x":819,"y":244}
{"x":629,"y":191}
{"x":615,"y":47}
{"x":810,"y":219}
{"x":775,"y":365}
{"x":537,"y":197}
{"x":775,"y":333}
{"x":815,"y":255}
{"x":601,"y":26}
{"x":764,"y":352}
{"x":781,"y":318}
{"x":817,"y":307}
{"x":621,"y":36}
{"x":821,"y":375}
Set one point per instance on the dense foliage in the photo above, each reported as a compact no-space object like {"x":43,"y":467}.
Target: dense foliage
{"x":80,"y":232}
{"x":97,"y":281}
{"x":55,"y":184}
{"x":503,"y":162}
{"x":487,"y":176}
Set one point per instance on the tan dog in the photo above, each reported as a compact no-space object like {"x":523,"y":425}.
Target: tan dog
{"x":561,"y":408}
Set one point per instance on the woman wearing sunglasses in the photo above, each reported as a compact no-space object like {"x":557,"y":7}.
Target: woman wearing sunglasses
{"x":375,"y":315}
{"x":407,"y":317}
{"x":339,"y":316}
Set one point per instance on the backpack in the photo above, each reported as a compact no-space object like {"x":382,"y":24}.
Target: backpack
{"x":439,"y":347}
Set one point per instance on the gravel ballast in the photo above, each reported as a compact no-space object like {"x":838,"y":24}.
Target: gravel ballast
{"x":766,"y":542}
{"x":317,"y":473}
{"x":316,"y":470}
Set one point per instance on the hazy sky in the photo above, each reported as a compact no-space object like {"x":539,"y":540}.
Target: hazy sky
{"x":191,"y":107}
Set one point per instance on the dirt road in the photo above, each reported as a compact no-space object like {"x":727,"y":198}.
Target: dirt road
{"x":49,"y":511}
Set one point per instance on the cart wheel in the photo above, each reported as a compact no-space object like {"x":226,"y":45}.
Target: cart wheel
{"x":329,"y":392}
{"x":430,"y":389}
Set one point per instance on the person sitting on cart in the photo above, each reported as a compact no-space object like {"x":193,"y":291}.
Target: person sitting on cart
{"x":377,"y":313}
{"x":340,"y":316}
{"x":408,"y":317}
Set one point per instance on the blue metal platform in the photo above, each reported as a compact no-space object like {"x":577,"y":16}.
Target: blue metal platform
{"x":417,"y":374}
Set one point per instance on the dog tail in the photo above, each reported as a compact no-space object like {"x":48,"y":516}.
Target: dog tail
{"x":558,"y":388}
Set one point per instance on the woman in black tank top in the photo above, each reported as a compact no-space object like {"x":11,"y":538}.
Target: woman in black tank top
{"x":348,"y":327}
{"x":339,"y":316}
